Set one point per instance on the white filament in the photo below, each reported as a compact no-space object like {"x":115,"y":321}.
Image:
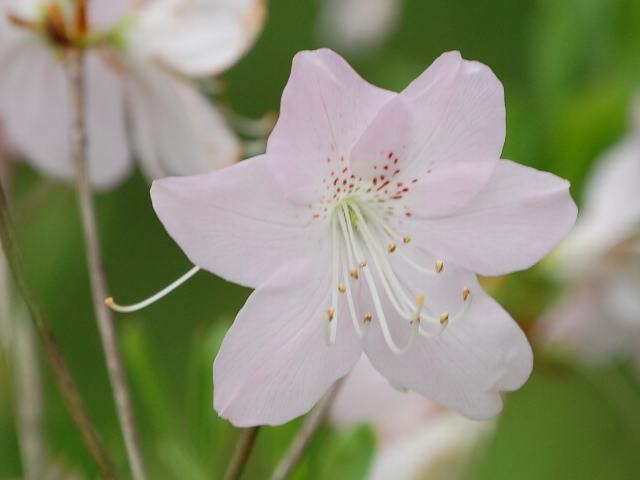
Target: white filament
{"x":343,"y":263}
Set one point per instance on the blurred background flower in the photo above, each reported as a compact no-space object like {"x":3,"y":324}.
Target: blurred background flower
{"x":571,"y":69}
{"x":600,"y":261}
{"x":140,"y":98}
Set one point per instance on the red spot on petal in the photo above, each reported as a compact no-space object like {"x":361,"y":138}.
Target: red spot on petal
{"x":390,"y":155}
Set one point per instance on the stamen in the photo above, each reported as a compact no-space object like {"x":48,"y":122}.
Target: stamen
{"x":350,"y":303}
{"x":381,"y":224}
{"x":330,"y":313}
{"x":391,"y":247}
{"x":341,"y":287}
{"x":362,"y":264}
{"x":446,"y":320}
{"x":367,"y":317}
{"x":419,"y":306}
{"x":354,"y":273}
{"x":110,"y":302}
{"x":439,"y":266}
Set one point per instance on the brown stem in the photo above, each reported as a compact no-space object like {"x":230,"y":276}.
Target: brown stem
{"x":301,"y":441}
{"x":241,"y":454}
{"x":55,"y":359}
{"x":115,"y":369}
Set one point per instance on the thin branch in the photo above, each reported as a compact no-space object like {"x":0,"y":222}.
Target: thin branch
{"x":241,"y":454}
{"x":301,"y":441}
{"x":29,"y":399}
{"x":55,"y":359}
{"x":117,"y":375}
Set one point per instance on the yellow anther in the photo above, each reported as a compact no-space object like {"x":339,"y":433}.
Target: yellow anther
{"x":362,"y":264}
{"x":465,"y":293}
{"x":439,"y":266}
{"x":391,"y":247}
{"x":406,"y":239}
{"x":444,"y":318}
{"x":367,"y":317}
{"x":342,"y":288}
{"x":330,"y":313}
{"x":354,"y":273}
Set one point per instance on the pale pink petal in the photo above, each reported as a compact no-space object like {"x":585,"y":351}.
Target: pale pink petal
{"x":611,"y":211}
{"x":235,"y":222}
{"x":325,"y":108}
{"x":446,"y":129}
{"x":198,"y":37}
{"x":107,"y":146}
{"x":175,"y":129}
{"x":519,"y":216}
{"x":275,"y":362}
{"x":467,"y":366}
{"x":34,"y":105}
{"x":367,"y":396}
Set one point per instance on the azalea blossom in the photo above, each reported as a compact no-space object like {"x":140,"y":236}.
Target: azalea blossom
{"x":358,"y":26}
{"x":415,"y":437}
{"x":139,"y":99}
{"x":360,"y":229}
{"x":600,"y":314}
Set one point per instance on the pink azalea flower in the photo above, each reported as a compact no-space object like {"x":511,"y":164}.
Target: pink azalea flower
{"x":600,"y":316}
{"x":360,"y":229}
{"x":140,"y":101}
{"x":416,"y":438}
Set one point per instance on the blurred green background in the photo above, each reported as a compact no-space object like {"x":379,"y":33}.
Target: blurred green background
{"x":570,"y":70}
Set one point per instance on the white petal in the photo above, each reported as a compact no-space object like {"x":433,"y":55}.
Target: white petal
{"x":358,"y":26}
{"x":518,"y":217}
{"x":467,"y":366}
{"x":198,"y":37}
{"x":236,"y":221}
{"x":445,"y":131}
{"x":612,"y":204}
{"x":34,"y":101}
{"x":325,"y":108}
{"x":275,"y":363}
{"x":34,"y":105}
{"x":107,"y":147}
{"x":176,"y":130}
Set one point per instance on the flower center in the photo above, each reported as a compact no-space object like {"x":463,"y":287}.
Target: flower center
{"x":362,"y":242}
